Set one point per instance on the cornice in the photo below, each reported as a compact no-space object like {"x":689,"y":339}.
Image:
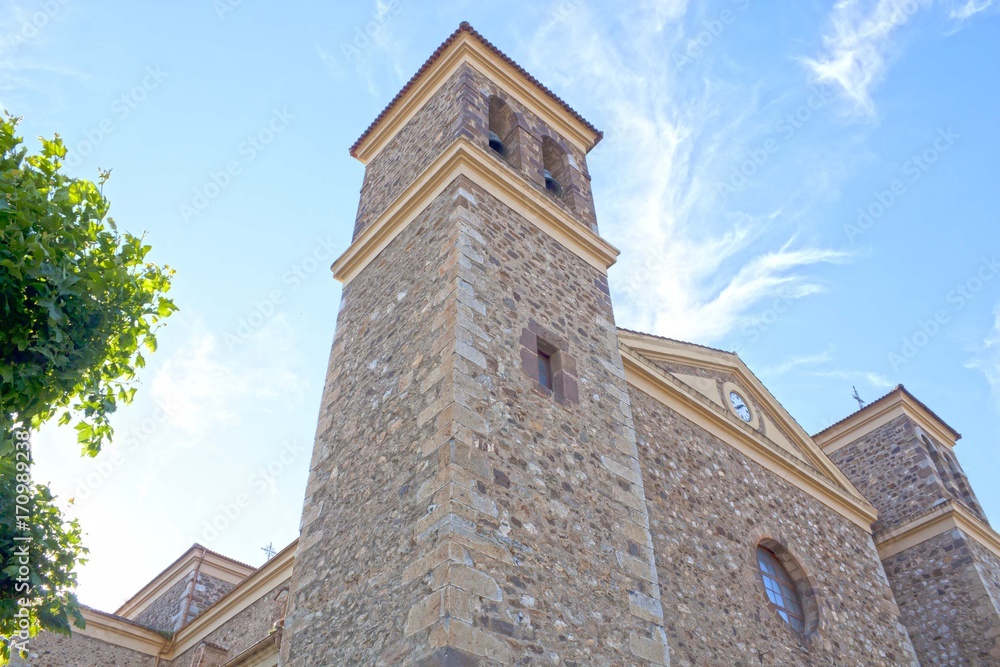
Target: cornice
{"x":670,"y":391}
{"x":467,"y":49}
{"x":667,"y":350}
{"x":212,"y":563}
{"x":112,"y":629}
{"x":896,"y":404}
{"x":463,"y":158}
{"x":263,"y":653}
{"x":946,"y":516}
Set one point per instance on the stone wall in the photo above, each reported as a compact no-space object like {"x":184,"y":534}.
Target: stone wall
{"x":207,"y":590}
{"x":165,"y":612}
{"x":460,"y":108}
{"x":415,"y":146}
{"x":357,"y":529}
{"x":709,"y":507}
{"x":472,"y":508}
{"x":988,"y":566}
{"x":242,"y":631}
{"x":891,"y":467}
{"x":52,"y":650}
{"x":940,"y":592}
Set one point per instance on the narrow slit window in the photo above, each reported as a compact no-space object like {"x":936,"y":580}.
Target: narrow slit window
{"x":545,"y":369}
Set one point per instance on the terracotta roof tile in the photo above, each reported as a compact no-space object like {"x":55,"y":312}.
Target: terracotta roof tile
{"x":466,"y":28}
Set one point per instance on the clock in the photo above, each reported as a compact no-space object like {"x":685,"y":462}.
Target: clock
{"x":740,"y":406}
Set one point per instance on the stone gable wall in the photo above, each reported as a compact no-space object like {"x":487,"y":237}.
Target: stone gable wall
{"x":709,"y":507}
{"x":164,"y":612}
{"x":207,"y":591}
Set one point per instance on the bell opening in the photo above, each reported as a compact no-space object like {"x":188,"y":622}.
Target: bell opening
{"x":551,"y":184}
{"x":497,"y":145}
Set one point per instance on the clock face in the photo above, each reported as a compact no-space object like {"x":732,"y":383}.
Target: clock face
{"x":740,"y":406}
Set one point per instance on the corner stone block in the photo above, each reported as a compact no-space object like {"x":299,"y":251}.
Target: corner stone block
{"x":651,"y":650}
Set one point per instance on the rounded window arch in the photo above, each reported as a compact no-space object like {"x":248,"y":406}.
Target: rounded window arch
{"x":501,"y":126}
{"x":555,"y":163}
{"x":786,"y":587}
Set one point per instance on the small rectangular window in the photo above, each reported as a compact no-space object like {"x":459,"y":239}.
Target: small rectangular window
{"x":544,"y":370}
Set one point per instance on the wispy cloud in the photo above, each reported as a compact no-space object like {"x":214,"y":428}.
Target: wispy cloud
{"x":857,"y":45}
{"x":799,"y":362}
{"x":860,"y":41}
{"x":690,"y":267}
{"x":208,"y":387}
{"x":969,"y":9}
{"x":986,"y":357}
{"x":876,"y":380}
{"x":368,"y":48}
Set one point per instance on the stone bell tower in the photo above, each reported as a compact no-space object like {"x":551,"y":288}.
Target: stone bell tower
{"x":474,"y":496}
{"x":939,"y":552}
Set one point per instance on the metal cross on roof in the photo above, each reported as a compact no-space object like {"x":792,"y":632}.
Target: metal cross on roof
{"x":269,"y":550}
{"x":857,"y":398}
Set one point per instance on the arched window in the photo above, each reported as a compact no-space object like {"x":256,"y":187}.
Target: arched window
{"x":555,"y":163}
{"x":502,"y":124}
{"x":780,"y":589}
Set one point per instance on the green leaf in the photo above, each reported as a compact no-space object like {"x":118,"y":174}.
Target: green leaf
{"x":78,"y":302}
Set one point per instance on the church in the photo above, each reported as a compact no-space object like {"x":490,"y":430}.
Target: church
{"x":502,"y":476}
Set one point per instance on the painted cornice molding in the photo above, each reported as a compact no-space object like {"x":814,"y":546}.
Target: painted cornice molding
{"x":211,"y":563}
{"x":112,"y":629}
{"x":943,"y":518}
{"x":463,"y":158}
{"x":467,"y":49}
{"x":897,"y":403}
{"x":688,"y":354}
{"x":262,"y":654}
{"x":668,"y":390}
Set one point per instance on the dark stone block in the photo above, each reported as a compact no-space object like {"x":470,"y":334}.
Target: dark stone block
{"x":448,"y":657}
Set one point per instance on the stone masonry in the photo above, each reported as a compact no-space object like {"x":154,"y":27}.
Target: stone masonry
{"x":947,"y":587}
{"x":709,"y":507}
{"x":501,"y":476}
{"x":183,"y":601}
{"x":894,"y":467}
{"x":512,"y":520}
{"x":506,"y":516}
{"x":952,"y":617}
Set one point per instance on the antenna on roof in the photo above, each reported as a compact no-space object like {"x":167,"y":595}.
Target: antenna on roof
{"x":857,"y":398}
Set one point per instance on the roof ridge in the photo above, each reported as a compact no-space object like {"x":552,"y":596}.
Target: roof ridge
{"x":899,"y":388}
{"x":677,"y":340}
{"x":465,"y":27}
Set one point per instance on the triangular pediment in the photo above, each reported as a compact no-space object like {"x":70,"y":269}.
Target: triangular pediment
{"x":704,"y":381}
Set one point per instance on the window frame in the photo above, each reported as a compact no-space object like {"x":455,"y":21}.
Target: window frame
{"x":545,"y":369}
{"x":781,"y":582}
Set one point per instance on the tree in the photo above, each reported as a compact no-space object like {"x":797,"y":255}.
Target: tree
{"x":78,"y":304}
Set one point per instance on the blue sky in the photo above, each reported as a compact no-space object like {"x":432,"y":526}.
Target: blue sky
{"x":813,"y":185}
